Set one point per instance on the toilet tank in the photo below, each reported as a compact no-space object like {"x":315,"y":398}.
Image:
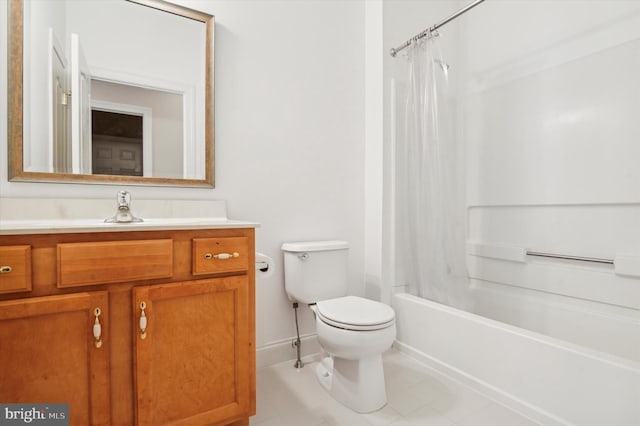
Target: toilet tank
{"x":315,"y":270}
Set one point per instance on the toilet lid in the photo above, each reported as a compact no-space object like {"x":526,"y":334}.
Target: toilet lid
{"x":355,"y":313}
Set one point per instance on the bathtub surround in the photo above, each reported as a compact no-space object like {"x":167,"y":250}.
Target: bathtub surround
{"x":546,"y":121}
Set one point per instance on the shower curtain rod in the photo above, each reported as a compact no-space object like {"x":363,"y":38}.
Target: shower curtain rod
{"x":434,"y":27}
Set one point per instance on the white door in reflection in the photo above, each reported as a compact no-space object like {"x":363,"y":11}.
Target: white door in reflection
{"x":80,"y":109}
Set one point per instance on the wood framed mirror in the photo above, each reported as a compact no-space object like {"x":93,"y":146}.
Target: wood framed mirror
{"x":78,"y":115}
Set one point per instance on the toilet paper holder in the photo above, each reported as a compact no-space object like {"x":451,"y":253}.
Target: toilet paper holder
{"x":262,"y":266}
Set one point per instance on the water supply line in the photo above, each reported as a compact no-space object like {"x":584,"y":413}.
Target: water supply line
{"x":297,"y":343}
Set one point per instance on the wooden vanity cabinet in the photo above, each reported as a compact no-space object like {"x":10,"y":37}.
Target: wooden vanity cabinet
{"x":189,"y":362}
{"x":177,"y":327}
{"x":49,"y":354}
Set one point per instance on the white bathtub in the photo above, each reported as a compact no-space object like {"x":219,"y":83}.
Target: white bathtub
{"x":548,"y":379}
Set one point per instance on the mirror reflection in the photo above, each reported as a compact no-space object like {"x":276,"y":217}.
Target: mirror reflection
{"x":134,"y":129}
{"x":116,"y":88}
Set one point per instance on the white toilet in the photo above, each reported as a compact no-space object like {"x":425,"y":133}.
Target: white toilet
{"x":352,"y":331}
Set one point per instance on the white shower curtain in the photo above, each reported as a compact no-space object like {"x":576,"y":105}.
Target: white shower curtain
{"x":430,"y":187}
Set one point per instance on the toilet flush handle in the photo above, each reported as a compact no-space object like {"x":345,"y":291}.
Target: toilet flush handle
{"x":303,"y":256}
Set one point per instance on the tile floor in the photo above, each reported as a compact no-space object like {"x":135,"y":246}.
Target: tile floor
{"x":417,"y":395}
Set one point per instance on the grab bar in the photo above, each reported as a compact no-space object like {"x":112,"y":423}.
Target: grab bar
{"x":563,"y":256}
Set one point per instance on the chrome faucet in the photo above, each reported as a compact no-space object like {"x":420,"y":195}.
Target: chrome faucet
{"x":123,"y":214}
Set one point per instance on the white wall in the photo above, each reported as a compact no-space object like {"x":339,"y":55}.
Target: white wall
{"x":289,"y":134}
{"x":375,"y":268}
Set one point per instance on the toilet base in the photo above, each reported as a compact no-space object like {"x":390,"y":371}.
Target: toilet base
{"x":358,"y":384}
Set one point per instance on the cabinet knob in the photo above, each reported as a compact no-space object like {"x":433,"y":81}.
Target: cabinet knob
{"x":5,"y":269}
{"x":97,"y":328}
{"x":143,"y":321}
{"x":222,"y":256}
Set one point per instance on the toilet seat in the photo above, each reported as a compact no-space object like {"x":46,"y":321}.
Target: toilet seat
{"x":355,"y":313}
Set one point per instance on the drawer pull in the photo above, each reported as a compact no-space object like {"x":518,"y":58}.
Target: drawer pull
{"x":222,"y":256}
{"x":97,"y":329}
{"x":5,"y":269}
{"x":143,"y":321}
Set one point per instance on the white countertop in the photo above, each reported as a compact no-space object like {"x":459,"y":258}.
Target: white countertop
{"x":61,"y":226}
{"x":19,"y":216}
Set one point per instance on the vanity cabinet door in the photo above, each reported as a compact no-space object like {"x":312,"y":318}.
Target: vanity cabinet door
{"x":192,"y":352}
{"x":49,"y":354}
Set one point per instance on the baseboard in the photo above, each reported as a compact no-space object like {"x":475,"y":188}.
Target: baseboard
{"x":282,"y":350}
{"x":498,"y":395}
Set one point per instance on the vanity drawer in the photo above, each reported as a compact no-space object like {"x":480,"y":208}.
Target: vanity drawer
{"x":219,"y":255}
{"x":15,"y":269}
{"x":92,"y":263}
